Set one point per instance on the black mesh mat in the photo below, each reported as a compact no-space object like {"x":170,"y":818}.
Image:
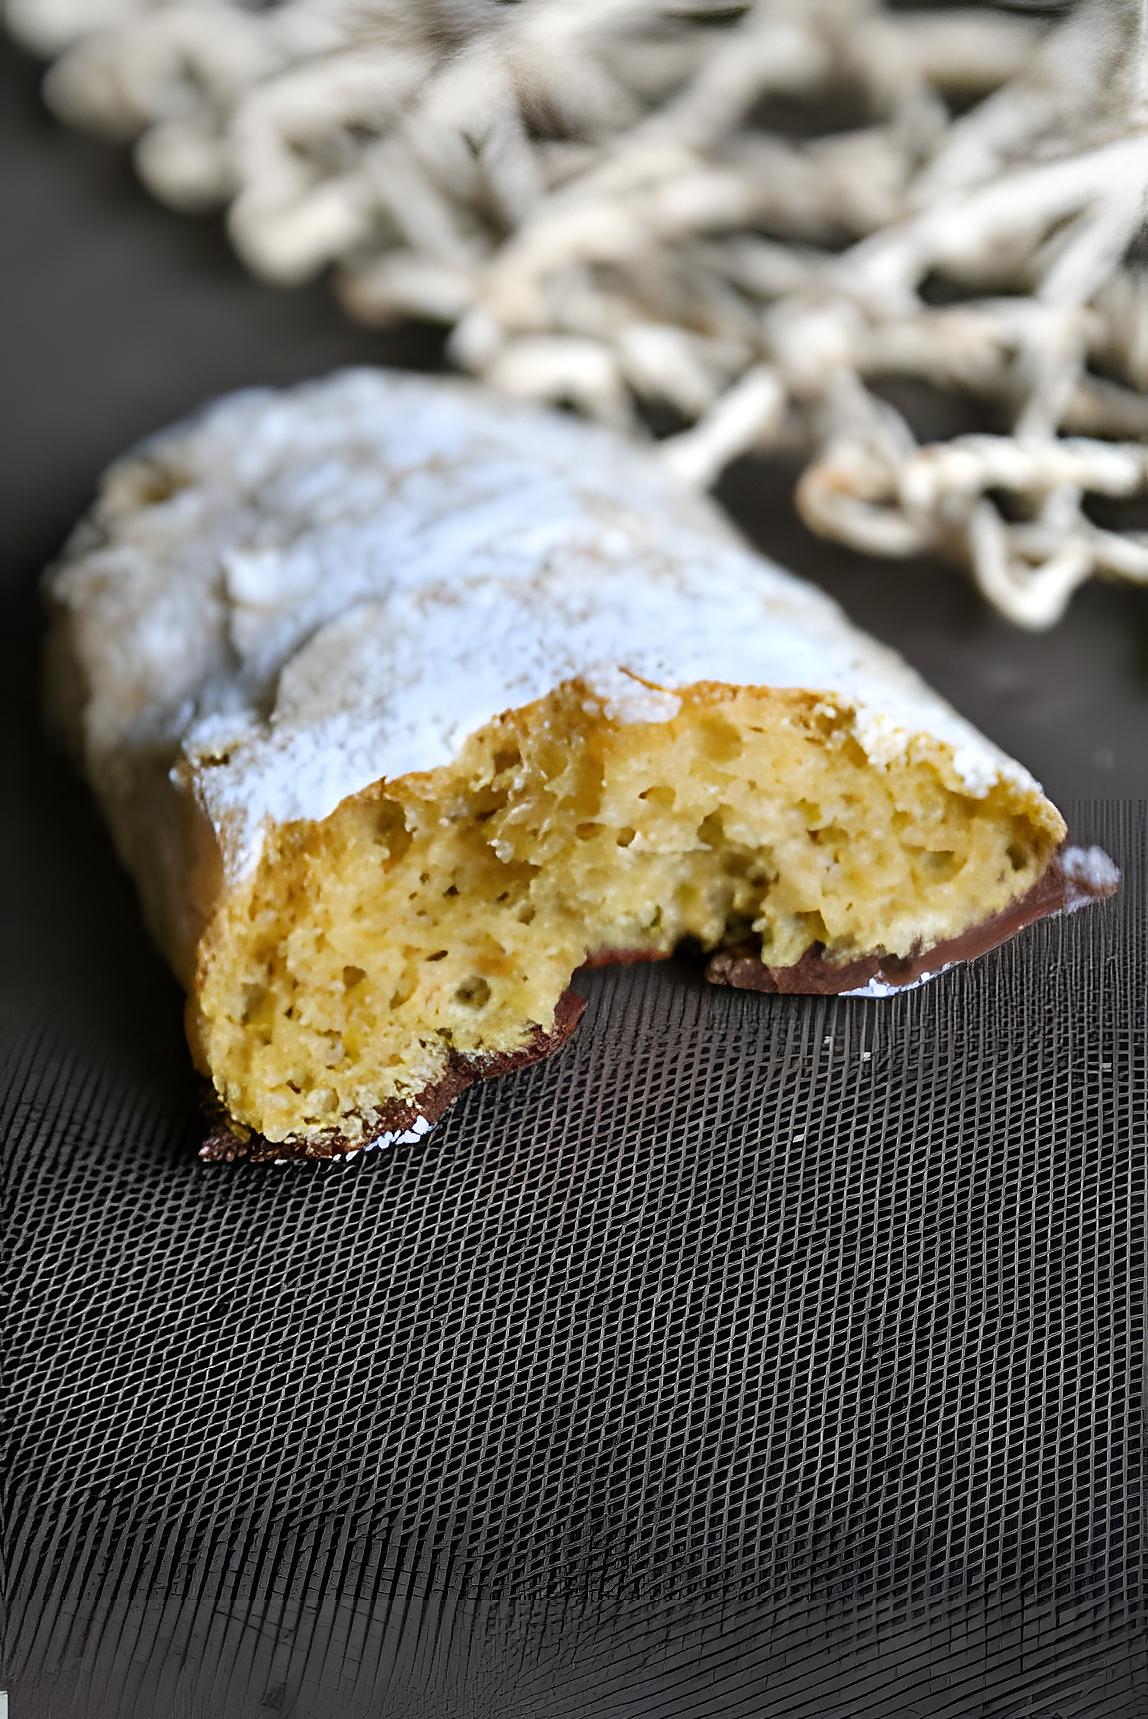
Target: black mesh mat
{"x":757,"y":1356}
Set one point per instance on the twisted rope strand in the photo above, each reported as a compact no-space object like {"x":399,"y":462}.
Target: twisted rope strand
{"x":602,"y":203}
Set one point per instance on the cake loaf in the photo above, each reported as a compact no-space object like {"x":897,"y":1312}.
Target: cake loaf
{"x":403,"y":701}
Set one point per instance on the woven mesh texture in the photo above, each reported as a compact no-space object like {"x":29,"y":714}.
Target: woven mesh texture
{"x":756,"y":1356}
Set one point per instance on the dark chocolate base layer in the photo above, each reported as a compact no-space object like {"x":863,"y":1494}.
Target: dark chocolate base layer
{"x":1075,"y":878}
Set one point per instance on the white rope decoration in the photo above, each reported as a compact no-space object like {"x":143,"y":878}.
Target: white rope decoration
{"x":595,"y":196}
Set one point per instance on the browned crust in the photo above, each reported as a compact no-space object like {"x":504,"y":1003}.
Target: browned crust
{"x":1058,"y":890}
{"x":622,"y":958}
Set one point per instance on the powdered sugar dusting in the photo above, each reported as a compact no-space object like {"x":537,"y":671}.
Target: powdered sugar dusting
{"x":1088,"y":873}
{"x":876,"y":987}
{"x":299,"y":594}
{"x":625,"y":698}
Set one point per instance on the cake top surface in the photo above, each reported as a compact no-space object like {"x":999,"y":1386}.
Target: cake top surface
{"x":297,"y":594}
